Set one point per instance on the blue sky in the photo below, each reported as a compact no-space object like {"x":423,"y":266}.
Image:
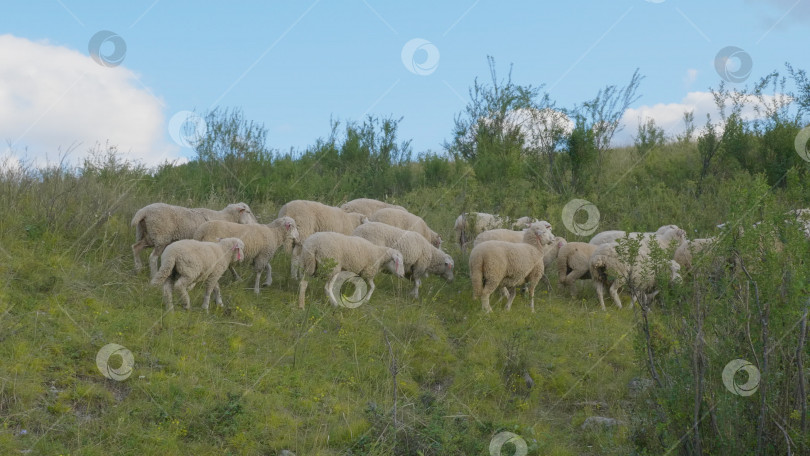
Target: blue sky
{"x":294,"y":65}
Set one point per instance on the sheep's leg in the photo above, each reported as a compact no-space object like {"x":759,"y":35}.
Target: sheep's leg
{"x":256,"y":283}
{"x":485,"y":303}
{"x":511,"y":293}
{"x":136,"y":252}
{"x":218,"y":295}
{"x":417,"y":282}
{"x":153,"y":259}
{"x":600,"y":293}
{"x":614,"y":293}
{"x":330,"y":283}
{"x":531,"y":295}
{"x":302,"y":291}
{"x":167,"y":294}
{"x":235,"y":274}
{"x":210,"y":287}
{"x":181,"y":286}
{"x":295,"y":261}
{"x":371,"y":289}
{"x":269,"y":279}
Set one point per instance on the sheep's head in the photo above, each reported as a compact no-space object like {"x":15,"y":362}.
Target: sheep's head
{"x":435,"y":239}
{"x":524,"y":222}
{"x":236,"y":246}
{"x":539,"y":233}
{"x":243,"y":213}
{"x":666,"y":228}
{"x":290,"y":229}
{"x":449,"y":264}
{"x":395,"y":265}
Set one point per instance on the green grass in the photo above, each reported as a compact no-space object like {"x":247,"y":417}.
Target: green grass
{"x":262,"y":375}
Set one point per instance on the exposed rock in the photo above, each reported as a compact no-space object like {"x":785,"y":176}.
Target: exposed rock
{"x":638,"y":385}
{"x":599,"y":422}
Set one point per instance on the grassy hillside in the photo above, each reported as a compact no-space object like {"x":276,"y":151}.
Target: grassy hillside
{"x":262,"y":376}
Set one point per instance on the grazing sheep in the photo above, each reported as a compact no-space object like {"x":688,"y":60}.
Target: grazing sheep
{"x":187,"y":262}
{"x":313,"y":217}
{"x":501,"y":234}
{"x":574,"y":262}
{"x":368,"y":206}
{"x":470,"y":224}
{"x":345,"y":253}
{"x":607,"y":269}
{"x":606,"y":237}
{"x":261,"y":241}
{"x":420,"y":258}
{"x":495,"y":264}
{"x":407,"y":221}
{"x":158,"y":225}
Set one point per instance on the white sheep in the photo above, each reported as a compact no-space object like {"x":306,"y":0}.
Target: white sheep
{"x":495,"y":264}
{"x":470,"y":224}
{"x":606,"y":237}
{"x":574,"y":263}
{"x":187,"y":262}
{"x":158,"y":225}
{"x":368,"y":206}
{"x":607,"y":269}
{"x":345,"y":253}
{"x":420,"y":258}
{"x":313,"y":217}
{"x":261,"y":241}
{"x":502,"y":234}
{"x":407,"y":221}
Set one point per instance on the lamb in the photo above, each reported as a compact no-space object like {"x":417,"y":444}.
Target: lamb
{"x":606,"y":237}
{"x":470,"y":224}
{"x":368,"y":206}
{"x":607,"y":269}
{"x":188,"y":262}
{"x":495,"y":264}
{"x":158,"y":225}
{"x":407,"y":221}
{"x":313,"y":217}
{"x":420,"y":258}
{"x":261,"y":241}
{"x":574,"y":262}
{"x":345,"y":253}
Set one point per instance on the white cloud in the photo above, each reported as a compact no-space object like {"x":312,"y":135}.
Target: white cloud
{"x":669,"y":116}
{"x":52,"y":97}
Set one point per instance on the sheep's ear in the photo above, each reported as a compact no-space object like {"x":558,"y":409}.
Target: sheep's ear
{"x":241,"y":209}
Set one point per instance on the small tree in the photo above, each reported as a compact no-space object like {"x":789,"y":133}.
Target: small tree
{"x":648,"y":137}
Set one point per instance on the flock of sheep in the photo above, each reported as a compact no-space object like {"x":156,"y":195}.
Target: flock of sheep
{"x":366,"y":236}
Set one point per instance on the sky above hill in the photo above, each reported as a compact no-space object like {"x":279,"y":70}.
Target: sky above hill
{"x":73,"y":74}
